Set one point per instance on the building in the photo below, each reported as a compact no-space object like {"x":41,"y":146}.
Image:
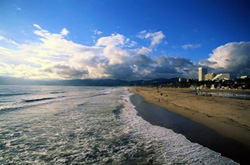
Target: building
{"x":243,"y":77}
{"x":202,"y":73}
{"x":209,"y":76}
{"x":222,"y":76}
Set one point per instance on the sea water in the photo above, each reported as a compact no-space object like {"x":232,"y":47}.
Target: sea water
{"x":87,"y":125}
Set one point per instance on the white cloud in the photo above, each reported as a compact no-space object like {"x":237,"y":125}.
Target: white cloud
{"x":54,"y":57}
{"x":97,"y":32}
{"x":64,"y":32}
{"x":232,"y":57}
{"x":191,"y":46}
{"x":18,"y":8}
{"x":37,"y":26}
{"x":144,"y":50}
{"x":155,"y":37}
{"x":51,"y":51}
{"x":114,"y":39}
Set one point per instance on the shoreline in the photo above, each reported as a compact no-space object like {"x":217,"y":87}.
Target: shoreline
{"x":193,"y":131}
{"x":228,"y":117}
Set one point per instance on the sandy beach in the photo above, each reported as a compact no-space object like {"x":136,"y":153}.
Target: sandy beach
{"x":227,"y":116}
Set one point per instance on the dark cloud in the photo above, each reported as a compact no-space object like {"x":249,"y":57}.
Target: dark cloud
{"x":66,"y":71}
{"x":120,"y":71}
{"x":144,"y":67}
{"x":165,"y":69}
{"x":140,"y":61}
{"x":181,"y":62}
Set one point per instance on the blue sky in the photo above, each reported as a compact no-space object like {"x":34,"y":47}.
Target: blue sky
{"x":191,"y":30}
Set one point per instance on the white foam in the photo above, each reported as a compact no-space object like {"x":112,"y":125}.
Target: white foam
{"x":169,"y":147}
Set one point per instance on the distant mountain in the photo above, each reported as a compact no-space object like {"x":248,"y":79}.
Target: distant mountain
{"x":88,"y":82}
{"x":4,"y":80}
{"x":141,"y":82}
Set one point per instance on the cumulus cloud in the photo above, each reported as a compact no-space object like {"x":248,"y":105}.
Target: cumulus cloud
{"x":155,"y":37}
{"x":52,"y":50}
{"x":191,"y":46}
{"x":55,"y":57}
{"x":114,"y":39}
{"x":144,"y":67}
{"x":232,"y":57}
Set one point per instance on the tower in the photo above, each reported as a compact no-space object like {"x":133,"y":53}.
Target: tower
{"x":202,"y":73}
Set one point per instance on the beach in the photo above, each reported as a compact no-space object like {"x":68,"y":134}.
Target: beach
{"x":226,"y":116}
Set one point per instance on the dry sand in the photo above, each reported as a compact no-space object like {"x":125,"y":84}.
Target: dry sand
{"x":227,"y":116}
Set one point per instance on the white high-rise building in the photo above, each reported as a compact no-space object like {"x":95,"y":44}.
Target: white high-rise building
{"x":222,"y":76}
{"x":202,"y":73}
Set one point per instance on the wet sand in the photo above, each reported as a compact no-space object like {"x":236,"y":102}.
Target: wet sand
{"x":228,"y":117}
{"x":193,"y":131}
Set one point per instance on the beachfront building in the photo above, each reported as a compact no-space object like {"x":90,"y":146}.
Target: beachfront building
{"x":243,"y":77}
{"x":202,"y":73}
{"x":221,"y":76}
{"x":209,"y":76}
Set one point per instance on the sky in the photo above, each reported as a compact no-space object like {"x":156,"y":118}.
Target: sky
{"x":123,"y":39}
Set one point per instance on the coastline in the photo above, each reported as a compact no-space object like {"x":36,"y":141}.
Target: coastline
{"x":193,"y":131}
{"x":226,"y":116}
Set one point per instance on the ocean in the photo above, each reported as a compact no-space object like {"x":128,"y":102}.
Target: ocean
{"x":87,"y":125}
